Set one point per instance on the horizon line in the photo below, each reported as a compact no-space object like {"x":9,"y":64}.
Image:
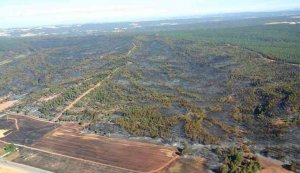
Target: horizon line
{"x":149,"y":19}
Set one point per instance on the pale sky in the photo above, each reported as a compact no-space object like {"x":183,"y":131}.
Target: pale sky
{"x":24,"y":13}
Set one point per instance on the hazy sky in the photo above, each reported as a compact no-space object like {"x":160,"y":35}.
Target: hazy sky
{"x":21,"y":13}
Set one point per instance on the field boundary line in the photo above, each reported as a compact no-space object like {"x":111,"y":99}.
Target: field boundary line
{"x":71,"y":157}
{"x":164,"y":166}
{"x":16,"y":121}
{"x":30,"y":116}
{"x":5,"y":154}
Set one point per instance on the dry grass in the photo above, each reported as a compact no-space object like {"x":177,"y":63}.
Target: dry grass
{"x":228,"y":99}
{"x":279,"y":123}
{"x":8,"y":169}
{"x":2,"y":132}
{"x":271,"y":166}
{"x":45,"y":99}
{"x":4,"y":98}
{"x":12,"y":167}
{"x":12,"y":156}
{"x":215,"y":108}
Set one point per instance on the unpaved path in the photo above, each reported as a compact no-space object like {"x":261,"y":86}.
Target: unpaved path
{"x":132,"y":49}
{"x":164,"y":165}
{"x":172,"y":156}
{"x":57,"y":117}
{"x":62,"y":155}
{"x":28,"y":116}
{"x":70,"y":105}
{"x":16,"y":122}
{"x":90,"y":161}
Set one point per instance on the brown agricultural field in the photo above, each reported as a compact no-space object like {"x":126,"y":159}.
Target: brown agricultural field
{"x":127,"y":155}
{"x":66,"y":141}
{"x":190,"y":165}
{"x":61,"y":164}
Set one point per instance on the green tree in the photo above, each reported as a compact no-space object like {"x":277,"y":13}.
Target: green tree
{"x":224,"y":169}
{"x":9,"y":148}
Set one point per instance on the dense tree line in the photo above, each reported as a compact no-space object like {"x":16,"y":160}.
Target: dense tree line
{"x":146,"y":121}
{"x":278,"y":41}
{"x":235,"y":161}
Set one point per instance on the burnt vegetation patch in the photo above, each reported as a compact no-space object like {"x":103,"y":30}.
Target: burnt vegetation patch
{"x":205,"y":86}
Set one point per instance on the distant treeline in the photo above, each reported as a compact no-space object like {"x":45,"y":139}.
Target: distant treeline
{"x":281,"y":42}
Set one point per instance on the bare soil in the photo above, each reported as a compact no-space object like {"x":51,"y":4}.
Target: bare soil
{"x":7,"y":105}
{"x":67,"y":141}
{"x":128,"y":155}
{"x":45,"y":99}
{"x":271,"y":166}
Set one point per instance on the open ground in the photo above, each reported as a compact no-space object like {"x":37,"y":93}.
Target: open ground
{"x":67,"y":141}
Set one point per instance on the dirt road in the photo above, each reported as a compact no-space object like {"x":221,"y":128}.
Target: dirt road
{"x":132,"y":49}
{"x":57,"y":117}
{"x":67,"y":141}
{"x":57,"y":154}
{"x":28,"y":116}
{"x":70,"y":105}
{"x":89,"y":161}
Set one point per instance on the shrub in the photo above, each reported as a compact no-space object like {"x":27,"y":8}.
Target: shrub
{"x":193,"y":127}
{"x":228,"y":99}
{"x":236,"y":162}
{"x":236,"y":114}
{"x":224,"y":168}
{"x":9,"y":148}
{"x":185,"y":149}
{"x":146,"y":121}
{"x":216,"y":108}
